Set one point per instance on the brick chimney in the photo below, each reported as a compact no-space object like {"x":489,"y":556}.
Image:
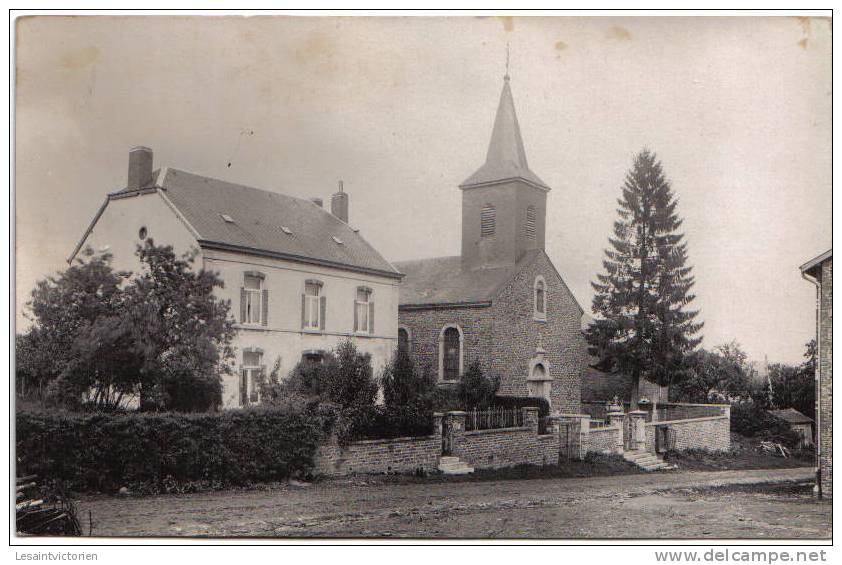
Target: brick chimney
{"x":339,"y":204}
{"x":140,"y":167}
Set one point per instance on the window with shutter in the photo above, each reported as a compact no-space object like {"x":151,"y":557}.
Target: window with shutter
{"x":363,"y":322}
{"x":529,"y":227}
{"x":252,"y":295}
{"x":488,"y":220}
{"x":312,"y":305}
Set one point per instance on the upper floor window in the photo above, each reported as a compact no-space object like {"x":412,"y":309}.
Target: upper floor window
{"x":529,"y":226}
{"x":254,"y":299}
{"x":250,"y":376}
{"x":363,"y":311}
{"x":488,"y":220}
{"x":540,"y":299}
{"x":313,"y":304}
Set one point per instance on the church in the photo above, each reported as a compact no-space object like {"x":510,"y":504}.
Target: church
{"x":501,"y":302}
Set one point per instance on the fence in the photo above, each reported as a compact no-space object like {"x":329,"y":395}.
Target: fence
{"x":493,"y":419}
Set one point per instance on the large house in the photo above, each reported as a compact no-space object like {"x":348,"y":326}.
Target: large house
{"x":819,"y":271}
{"x":300,"y":278}
{"x":501,"y":302}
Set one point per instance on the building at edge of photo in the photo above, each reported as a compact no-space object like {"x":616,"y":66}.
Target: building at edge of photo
{"x":819,"y":271}
{"x":501,"y":302}
{"x":300,"y":278}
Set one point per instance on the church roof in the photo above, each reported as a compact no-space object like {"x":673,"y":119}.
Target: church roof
{"x":441,"y":281}
{"x":506,"y":158}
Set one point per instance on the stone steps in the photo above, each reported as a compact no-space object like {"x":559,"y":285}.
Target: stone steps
{"x":450,"y":465}
{"x":647,"y":461}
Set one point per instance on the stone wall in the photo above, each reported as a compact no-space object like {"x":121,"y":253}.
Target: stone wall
{"x":516,"y":336}
{"x":507,"y":447}
{"x":825,"y":397}
{"x":482,"y":449}
{"x":712,"y":433}
{"x":425,"y":327}
{"x":605,"y":440}
{"x":400,"y":455}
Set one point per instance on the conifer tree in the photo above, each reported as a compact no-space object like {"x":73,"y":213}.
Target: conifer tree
{"x":643,"y":326}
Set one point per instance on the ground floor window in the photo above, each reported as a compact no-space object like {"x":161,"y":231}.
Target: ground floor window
{"x":250,"y":377}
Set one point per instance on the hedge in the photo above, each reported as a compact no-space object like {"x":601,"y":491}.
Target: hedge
{"x":157,"y":450}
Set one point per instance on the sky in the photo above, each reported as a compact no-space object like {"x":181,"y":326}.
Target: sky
{"x":738,"y":110}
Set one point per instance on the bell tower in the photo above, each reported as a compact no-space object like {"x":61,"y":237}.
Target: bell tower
{"x":504,"y":203}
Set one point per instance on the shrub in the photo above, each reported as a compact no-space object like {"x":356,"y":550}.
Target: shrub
{"x":344,"y":377}
{"x":381,"y":422}
{"x":476,"y":390}
{"x":107,"y":451}
{"x":405,"y":385}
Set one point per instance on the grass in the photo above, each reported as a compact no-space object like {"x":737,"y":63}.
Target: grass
{"x":744,"y":454}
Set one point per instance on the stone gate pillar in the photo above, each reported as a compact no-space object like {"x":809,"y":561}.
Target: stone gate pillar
{"x":616,"y":418}
{"x":637,"y":432}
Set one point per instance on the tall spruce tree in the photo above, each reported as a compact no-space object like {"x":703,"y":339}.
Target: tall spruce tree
{"x":643,"y":327}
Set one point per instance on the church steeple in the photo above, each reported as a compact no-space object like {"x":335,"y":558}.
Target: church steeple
{"x":504,"y":203}
{"x":506,"y":157}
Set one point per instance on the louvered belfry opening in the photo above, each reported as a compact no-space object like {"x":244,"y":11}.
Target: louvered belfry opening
{"x":488,"y":220}
{"x":529,"y":227}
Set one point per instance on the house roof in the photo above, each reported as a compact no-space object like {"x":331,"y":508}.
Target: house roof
{"x":816,"y":261}
{"x":792,"y":416}
{"x":506,"y":157}
{"x":441,"y":281}
{"x":230,"y":216}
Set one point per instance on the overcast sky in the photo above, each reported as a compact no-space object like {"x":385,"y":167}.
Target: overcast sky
{"x":737,"y":109}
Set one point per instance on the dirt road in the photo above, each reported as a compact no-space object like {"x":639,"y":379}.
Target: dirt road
{"x":661,"y":505}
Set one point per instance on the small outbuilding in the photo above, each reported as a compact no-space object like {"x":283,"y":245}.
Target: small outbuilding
{"x":801,"y":424}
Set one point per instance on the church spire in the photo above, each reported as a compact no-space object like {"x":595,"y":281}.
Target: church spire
{"x":506,"y":157}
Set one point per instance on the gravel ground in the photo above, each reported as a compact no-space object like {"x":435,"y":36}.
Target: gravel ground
{"x":723,"y":504}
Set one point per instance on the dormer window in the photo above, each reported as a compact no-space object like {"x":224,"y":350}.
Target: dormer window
{"x":540,"y":299}
{"x":488,"y":220}
{"x":228,"y":219}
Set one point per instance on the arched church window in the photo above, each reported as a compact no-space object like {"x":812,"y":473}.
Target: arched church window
{"x":540,"y":299}
{"x":488,"y":220}
{"x":403,"y":341}
{"x":529,"y":227}
{"x":450,"y":353}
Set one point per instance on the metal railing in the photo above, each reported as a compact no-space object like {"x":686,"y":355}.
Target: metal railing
{"x":492,"y":419}
{"x":596,"y":424}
